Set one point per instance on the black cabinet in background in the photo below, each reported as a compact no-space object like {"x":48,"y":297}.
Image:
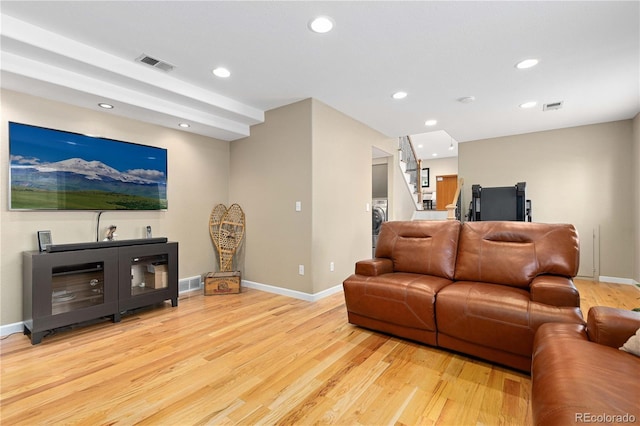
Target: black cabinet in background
{"x":69,"y":287}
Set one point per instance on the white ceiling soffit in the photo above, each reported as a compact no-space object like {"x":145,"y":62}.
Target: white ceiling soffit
{"x":46,"y":64}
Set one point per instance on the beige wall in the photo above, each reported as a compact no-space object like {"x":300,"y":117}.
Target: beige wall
{"x":341,"y":188}
{"x":311,"y":153}
{"x":271,"y":170}
{"x":380,"y":173}
{"x":578,"y":175}
{"x":404,"y":205}
{"x":197,"y":180}
{"x":635,"y":186}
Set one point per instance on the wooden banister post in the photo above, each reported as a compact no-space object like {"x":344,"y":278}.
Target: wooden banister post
{"x":451,"y":208}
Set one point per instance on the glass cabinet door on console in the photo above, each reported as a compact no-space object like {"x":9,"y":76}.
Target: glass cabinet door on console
{"x":77,"y":286}
{"x":148,"y":275}
{"x":65,"y":288}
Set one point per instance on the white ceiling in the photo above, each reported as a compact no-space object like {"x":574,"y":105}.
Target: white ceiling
{"x":84,"y":52}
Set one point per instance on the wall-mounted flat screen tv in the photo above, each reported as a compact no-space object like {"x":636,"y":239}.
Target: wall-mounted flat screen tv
{"x":58,"y":170}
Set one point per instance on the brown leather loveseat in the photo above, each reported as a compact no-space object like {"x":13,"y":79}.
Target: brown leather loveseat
{"x":481,"y":288}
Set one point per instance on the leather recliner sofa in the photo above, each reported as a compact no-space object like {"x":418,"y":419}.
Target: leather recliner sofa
{"x":480,"y":288}
{"x":579,"y":375}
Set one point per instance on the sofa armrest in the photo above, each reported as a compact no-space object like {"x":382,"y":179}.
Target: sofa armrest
{"x":374,"y":267}
{"x":554,"y":290}
{"x":611,"y":326}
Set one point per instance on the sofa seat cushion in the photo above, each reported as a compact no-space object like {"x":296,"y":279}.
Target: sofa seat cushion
{"x":399,"y":298}
{"x":496,"y":316}
{"x":574,"y":379}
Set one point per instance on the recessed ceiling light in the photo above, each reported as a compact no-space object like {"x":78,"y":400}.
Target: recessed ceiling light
{"x":105,"y":106}
{"x":399,"y":95}
{"x":527,"y":63}
{"x":431,"y":122}
{"x":530,"y":104}
{"x":466,"y":99}
{"x":420,"y":146}
{"x":435,"y":154}
{"x":321,"y":24}
{"x":221,"y":72}
{"x":184,"y":125}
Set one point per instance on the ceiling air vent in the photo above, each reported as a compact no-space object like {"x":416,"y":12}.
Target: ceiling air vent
{"x":552,"y":106}
{"x":156,"y":63}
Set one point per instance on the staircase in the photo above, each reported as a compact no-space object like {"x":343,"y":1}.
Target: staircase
{"x":410,"y":166}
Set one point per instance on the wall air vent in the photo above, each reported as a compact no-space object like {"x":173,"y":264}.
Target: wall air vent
{"x":190,"y":284}
{"x":552,"y":106}
{"x":156,"y":63}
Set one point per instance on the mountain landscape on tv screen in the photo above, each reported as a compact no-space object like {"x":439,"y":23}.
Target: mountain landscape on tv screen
{"x":77,"y":184}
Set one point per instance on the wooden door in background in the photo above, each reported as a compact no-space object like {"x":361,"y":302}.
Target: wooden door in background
{"x":445,"y":190}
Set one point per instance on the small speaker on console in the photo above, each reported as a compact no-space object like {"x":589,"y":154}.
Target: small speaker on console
{"x":148,"y":231}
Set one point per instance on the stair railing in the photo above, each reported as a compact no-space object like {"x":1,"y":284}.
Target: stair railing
{"x":455,"y":204}
{"x":414,"y":164}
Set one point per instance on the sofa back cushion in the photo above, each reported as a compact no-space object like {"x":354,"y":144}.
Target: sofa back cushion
{"x":513,"y":253}
{"x":421,"y":247}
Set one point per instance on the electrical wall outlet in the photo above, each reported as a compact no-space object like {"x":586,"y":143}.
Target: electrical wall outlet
{"x":301,"y":269}
{"x":332,"y":267}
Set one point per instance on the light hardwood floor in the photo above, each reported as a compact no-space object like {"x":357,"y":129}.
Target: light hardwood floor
{"x":258,"y":358}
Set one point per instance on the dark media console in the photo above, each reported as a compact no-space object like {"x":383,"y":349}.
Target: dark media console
{"x":73,"y":283}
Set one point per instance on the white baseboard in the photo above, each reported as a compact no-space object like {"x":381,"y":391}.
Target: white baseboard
{"x":616,"y":280}
{"x":16,"y":327}
{"x":293,"y":293}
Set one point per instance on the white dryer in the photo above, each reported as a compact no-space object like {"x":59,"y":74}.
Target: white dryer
{"x":379,"y":215}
